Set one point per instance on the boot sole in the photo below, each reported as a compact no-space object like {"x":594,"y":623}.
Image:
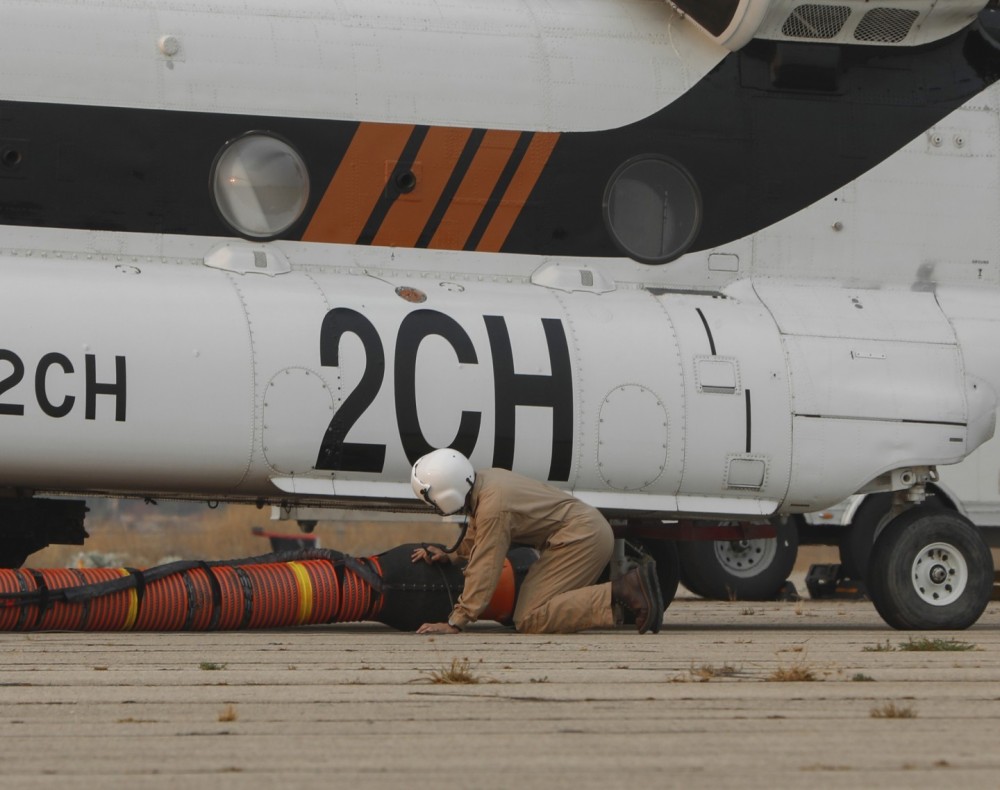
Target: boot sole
{"x":650,"y":585}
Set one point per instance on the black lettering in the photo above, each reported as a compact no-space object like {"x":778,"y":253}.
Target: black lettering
{"x":554,"y":391}
{"x":412,"y":331}
{"x":41,"y":371}
{"x":335,"y":453}
{"x":94,"y":388}
{"x":15,"y":377}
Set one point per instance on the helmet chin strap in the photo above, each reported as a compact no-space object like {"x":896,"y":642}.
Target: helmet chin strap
{"x":461,"y":536}
{"x":465,"y":524}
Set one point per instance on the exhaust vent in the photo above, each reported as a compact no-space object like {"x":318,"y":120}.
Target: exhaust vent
{"x":885,"y":25}
{"x":879,"y":23}
{"x":812,"y":20}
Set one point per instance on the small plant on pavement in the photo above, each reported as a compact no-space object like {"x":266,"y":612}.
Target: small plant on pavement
{"x":458,"y":673}
{"x":890,"y":710}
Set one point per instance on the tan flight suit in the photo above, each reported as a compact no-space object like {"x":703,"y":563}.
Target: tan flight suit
{"x":575,"y":543}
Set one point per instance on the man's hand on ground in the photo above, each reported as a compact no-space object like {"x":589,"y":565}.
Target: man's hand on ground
{"x":437,"y":628}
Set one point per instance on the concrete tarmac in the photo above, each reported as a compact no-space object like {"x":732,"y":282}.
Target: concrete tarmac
{"x":741,"y":695}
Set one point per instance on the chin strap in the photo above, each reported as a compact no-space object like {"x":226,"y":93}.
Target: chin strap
{"x":465,"y":524}
{"x":461,"y":536}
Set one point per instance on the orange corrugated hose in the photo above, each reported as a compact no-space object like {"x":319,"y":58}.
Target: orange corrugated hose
{"x":195,"y":597}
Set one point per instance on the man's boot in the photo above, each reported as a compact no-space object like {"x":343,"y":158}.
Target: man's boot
{"x":639,"y":592}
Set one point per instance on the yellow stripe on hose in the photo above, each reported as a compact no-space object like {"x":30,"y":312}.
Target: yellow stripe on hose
{"x":133,"y":605}
{"x":304,"y":584}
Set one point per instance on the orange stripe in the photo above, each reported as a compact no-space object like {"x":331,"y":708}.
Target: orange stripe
{"x":433,"y":167}
{"x":518,"y":191}
{"x":358,"y":183}
{"x":475,"y":190}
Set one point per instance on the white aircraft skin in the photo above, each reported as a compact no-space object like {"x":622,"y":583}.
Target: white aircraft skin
{"x":845,"y":343}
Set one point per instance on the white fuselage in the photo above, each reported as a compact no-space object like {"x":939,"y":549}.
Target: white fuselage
{"x":776,"y":373}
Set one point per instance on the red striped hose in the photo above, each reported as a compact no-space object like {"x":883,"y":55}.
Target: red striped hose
{"x":289,"y":589}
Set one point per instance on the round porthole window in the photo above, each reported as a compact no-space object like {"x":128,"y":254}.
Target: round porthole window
{"x":652,"y":208}
{"x":260,"y":185}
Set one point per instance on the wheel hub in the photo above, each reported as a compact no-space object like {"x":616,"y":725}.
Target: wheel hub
{"x":746,"y":558}
{"x":940,"y":574}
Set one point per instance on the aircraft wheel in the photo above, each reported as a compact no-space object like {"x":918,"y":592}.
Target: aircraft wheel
{"x":930,"y":569}
{"x":746,"y":570}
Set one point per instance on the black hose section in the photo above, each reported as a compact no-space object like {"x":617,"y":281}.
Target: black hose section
{"x":416,"y":592}
{"x":23,"y":614}
{"x":139,"y":579}
{"x":247,"y":586}
{"x":192,"y":607}
{"x":213,"y":623}
{"x":42,"y":589}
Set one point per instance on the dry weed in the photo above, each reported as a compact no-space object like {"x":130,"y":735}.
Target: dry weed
{"x":228,"y":713}
{"x":707,"y":672}
{"x":458,"y":673}
{"x":891,"y":711}
{"x":797,"y":672}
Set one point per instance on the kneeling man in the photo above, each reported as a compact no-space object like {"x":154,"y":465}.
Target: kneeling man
{"x":574,"y":542}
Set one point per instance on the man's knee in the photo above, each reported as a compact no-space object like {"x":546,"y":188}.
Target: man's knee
{"x":531,"y":621}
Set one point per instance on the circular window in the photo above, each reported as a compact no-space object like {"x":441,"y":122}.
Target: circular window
{"x":260,"y":185}
{"x":652,"y":208}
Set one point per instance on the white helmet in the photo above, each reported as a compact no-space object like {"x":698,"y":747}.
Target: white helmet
{"x":443,"y":479}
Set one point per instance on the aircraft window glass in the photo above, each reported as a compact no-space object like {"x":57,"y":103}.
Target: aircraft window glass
{"x":652,"y":208}
{"x":260,"y":185}
{"x":713,"y":15}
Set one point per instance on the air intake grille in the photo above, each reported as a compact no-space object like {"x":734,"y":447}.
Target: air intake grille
{"x":886,"y":25}
{"x":812,"y":20}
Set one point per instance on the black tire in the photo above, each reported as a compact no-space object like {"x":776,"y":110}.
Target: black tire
{"x":859,"y":537}
{"x":753,"y":570}
{"x":930,"y":569}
